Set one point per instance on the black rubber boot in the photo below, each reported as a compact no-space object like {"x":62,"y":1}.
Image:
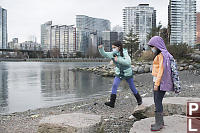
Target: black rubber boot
{"x":159,"y":122}
{"x":138,"y":98}
{"x":112,"y":101}
{"x":155,"y":120}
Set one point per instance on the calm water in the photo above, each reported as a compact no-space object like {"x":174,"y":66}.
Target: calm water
{"x":31,"y":85}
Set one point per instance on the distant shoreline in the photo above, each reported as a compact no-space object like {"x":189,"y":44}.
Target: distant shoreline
{"x":55,"y":60}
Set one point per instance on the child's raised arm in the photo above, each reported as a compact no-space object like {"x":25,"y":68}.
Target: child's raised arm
{"x":105,"y":54}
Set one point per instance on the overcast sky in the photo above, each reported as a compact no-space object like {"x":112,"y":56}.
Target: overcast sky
{"x":26,"y":16}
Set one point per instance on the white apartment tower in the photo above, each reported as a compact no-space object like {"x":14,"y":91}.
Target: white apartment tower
{"x":182,"y":21}
{"x":140,"y":19}
{"x":62,"y":38}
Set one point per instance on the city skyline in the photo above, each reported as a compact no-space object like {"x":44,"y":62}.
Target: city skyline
{"x":25,"y":17}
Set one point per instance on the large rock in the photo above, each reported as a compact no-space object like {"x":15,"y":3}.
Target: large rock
{"x":71,"y":123}
{"x":196,"y":57}
{"x":191,"y":67}
{"x":141,"y":69}
{"x":147,"y":68}
{"x":171,"y":105}
{"x":173,"y":124}
{"x":197,"y":66}
{"x":181,"y":68}
{"x":135,"y":69}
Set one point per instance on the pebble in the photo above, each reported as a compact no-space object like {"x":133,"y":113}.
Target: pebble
{"x":131,"y":117}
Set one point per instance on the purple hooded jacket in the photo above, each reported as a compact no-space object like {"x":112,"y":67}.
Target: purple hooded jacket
{"x":166,"y":83}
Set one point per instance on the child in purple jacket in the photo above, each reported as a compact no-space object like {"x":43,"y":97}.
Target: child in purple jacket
{"x":161,"y":77}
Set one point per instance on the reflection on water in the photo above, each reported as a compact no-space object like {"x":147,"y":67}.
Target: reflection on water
{"x":26,"y":85}
{"x":3,"y":87}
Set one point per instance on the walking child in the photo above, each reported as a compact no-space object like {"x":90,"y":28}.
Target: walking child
{"x":123,"y":70}
{"x":162,"y":78}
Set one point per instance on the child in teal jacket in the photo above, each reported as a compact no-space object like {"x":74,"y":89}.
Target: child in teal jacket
{"x":123,"y":70}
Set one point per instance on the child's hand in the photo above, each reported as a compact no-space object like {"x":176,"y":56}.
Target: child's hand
{"x":155,"y":88}
{"x":100,"y":46}
{"x":111,"y":62}
{"x":116,"y":59}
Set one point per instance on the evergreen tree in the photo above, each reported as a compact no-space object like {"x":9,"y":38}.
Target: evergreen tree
{"x":131,"y":43}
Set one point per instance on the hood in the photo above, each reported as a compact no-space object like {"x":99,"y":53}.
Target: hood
{"x":125,"y":52}
{"x":157,"y":42}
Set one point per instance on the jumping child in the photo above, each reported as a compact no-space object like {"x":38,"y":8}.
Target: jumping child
{"x":123,"y":70}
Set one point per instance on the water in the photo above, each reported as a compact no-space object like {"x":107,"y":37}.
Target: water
{"x":31,"y":85}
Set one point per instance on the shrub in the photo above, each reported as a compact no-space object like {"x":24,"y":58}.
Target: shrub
{"x":179,"y":51}
{"x":147,"y":55}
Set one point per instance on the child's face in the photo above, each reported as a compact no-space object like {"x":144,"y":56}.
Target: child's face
{"x":153,"y":49}
{"x":115,"y":48}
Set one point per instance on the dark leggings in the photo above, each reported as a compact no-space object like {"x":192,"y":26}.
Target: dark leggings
{"x":158,"y":97}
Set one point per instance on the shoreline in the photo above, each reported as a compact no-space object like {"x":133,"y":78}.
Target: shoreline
{"x":55,"y":60}
{"x":138,"y":68}
{"x":115,"y":119}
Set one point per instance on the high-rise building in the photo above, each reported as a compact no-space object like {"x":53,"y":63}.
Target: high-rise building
{"x":55,"y":37}
{"x":85,"y":26}
{"x":92,"y":24}
{"x":108,"y":38}
{"x":46,"y":36}
{"x":60,"y":38}
{"x":118,"y":29}
{"x":198,"y":28}
{"x":11,"y":44}
{"x":3,"y":28}
{"x":83,"y":36}
{"x":140,"y":20}
{"x":67,"y":39}
{"x":182,"y":21}
{"x":92,"y":44}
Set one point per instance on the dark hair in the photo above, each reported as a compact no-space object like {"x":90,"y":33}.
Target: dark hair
{"x":157,"y":53}
{"x":120,"y":46}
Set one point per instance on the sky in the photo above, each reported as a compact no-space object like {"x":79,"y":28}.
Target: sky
{"x":26,"y":16}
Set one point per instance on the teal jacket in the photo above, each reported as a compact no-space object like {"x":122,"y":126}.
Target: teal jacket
{"x":123,"y":67}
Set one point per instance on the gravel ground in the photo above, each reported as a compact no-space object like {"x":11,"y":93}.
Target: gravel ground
{"x":116,"y":120}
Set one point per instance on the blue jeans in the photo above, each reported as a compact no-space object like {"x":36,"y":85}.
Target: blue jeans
{"x":117,"y":81}
{"x":158,"y":98}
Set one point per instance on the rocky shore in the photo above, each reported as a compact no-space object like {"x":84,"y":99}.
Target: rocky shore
{"x":139,"y":68}
{"x":115,"y":120}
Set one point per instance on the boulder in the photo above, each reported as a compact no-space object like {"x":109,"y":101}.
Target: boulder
{"x":171,"y":105}
{"x":186,"y":67}
{"x":147,"y":68}
{"x":197,"y":66}
{"x":191,"y":67}
{"x":71,"y":123}
{"x":181,"y":68}
{"x":141,"y":69}
{"x":135,"y":69}
{"x":173,"y":124}
{"x":183,"y":65}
